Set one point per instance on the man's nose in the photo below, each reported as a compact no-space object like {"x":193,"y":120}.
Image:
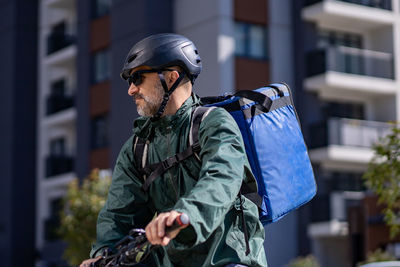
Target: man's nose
{"x":132,"y":89}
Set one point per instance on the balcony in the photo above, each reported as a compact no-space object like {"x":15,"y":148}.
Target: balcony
{"x":341,"y":71}
{"x":382,"y":4}
{"x":360,"y":15}
{"x":57,"y":41}
{"x":60,"y":4}
{"x":56,"y":103}
{"x":350,"y":60}
{"x":59,"y":164}
{"x":348,"y":132}
{"x":341,"y":143}
{"x":329,"y":213}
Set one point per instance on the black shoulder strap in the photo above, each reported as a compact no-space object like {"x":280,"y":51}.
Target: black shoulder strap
{"x":140,"y":153}
{"x":198,"y":114}
{"x":153,"y":171}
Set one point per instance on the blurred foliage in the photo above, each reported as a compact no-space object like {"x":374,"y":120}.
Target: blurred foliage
{"x":383,"y":178}
{"x":307,"y":261}
{"x":376,"y":256}
{"x":81,"y":206}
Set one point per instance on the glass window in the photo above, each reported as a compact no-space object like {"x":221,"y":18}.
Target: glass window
{"x":335,"y":38}
{"x":257,"y":43}
{"x":342,"y":181}
{"x":58,"y":87}
{"x":240,"y":39}
{"x":101,"y":66}
{"x":250,"y":40}
{"x":57,"y":147}
{"x":99,"y":132}
{"x":52,"y":223}
{"x":101,"y":7}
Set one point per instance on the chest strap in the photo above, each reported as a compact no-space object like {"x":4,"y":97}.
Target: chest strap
{"x":151,"y":172}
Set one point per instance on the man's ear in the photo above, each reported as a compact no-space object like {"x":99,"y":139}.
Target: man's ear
{"x":172,"y":77}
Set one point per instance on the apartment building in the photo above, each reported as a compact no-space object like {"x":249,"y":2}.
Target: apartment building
{"x":84,"y":113}
{"x":340,"y":58}
{"x":349,"y":76}
{"x":56,"y":118}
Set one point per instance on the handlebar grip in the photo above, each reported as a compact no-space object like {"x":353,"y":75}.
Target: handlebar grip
{"x":180,"y":221}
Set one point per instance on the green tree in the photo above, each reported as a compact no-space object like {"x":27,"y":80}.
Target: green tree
{"x":307,"y":261}
{"x":82,"y":204}
{"x":383,"y":178}
{"x":377,"y":256}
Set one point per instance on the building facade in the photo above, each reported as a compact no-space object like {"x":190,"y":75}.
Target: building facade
{"x":348,"y":74}
{"x":339,"y":57}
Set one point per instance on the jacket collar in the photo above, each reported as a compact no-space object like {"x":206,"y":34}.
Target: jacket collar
{"x":143,"y":126}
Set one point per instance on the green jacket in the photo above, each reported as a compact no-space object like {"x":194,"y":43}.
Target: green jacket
{"x":206,"y":191}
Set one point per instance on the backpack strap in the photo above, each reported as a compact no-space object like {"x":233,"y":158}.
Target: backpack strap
{"x":198,"y":114}
{"x":151,"y":172}
{"x":140,"y":147}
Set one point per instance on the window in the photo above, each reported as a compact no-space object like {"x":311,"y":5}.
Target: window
{"x":58,"y":87}
{"x":99,"y":132}
{"x":336,"y":38}
{"x":101,"y":7}
{"x":57,"y":147}
{"x":343,"y":110}
{"x":58,"y":38}
{"x":250,"y":40}
{"x":101,"y":66}
{"x":52,"y":223}
{"x":342,"y":181}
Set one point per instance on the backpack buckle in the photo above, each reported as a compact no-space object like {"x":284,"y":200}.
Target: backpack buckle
{"x":196,"y":147}
{"x":169,"y":162}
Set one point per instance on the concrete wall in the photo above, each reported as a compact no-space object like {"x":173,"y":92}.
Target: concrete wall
{"x":18,"y":20}
{"x":82,"y":90}
{"x":209,"y":25}
{"x":281,"y":243}
{"x":155,"y":16}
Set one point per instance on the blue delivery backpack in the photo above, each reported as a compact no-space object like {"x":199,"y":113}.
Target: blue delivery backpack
{"x":275,"y":148}
{"x":274,"y":145}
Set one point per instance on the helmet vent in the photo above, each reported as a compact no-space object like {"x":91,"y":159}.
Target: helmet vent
{"x":132,"y":58}
{"x":196,"y":52}
{"x":198,"y":60}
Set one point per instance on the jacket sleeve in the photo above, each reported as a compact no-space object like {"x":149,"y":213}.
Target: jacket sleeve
{"x":126,"y":206}
{"x":223,"y":159}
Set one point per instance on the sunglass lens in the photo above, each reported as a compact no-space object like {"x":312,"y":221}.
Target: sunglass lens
{"x":135,"y":78}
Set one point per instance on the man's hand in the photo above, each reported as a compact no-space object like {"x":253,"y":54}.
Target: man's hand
{"x":86,"y":263}
{"x":155,"y":230}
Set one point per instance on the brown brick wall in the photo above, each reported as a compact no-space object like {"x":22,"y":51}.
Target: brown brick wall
{"x":100,"y":98}
{"x":251,"y":73}
{"x":100,"y":36}
{"x":252,"y":11}
{"x":100,"y":158}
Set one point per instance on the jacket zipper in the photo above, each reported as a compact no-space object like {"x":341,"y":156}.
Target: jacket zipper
{"x":169,"y":128}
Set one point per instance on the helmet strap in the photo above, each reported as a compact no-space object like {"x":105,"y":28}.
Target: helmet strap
{"x":167,"y":93}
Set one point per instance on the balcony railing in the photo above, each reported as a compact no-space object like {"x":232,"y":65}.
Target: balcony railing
{"x":320,"y":208}
{"x":51,"y":226}
{"x":334,"y":206}
{"x":56,"y":103}
{"x":350,"y":60}
{"x":382,"y":4}
{"x":58,"y":164}
{"x":347,"y":132}
{"x":57,"y":41}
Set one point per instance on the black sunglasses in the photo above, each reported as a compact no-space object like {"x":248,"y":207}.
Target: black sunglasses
{"x":137,"y":77}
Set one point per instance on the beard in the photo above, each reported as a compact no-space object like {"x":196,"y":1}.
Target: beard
{"x":148,"y":105}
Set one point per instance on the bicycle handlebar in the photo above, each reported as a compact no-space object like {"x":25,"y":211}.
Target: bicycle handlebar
{"x":135,"y":243}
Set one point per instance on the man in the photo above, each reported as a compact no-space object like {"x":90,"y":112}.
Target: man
{"x":161,"y":70}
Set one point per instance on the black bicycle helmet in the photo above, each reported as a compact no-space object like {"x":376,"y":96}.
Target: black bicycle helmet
{"x":164,"y":50}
